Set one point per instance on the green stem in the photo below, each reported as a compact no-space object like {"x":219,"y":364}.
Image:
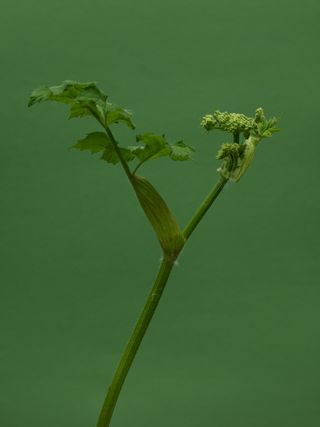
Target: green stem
{"x":140,"y":164}
{"x":117,"y":150}
{"x":148,"y":311}
{"x":205,"y":205}
{"x":134,"y":342}
{"x":236,"y":137}
{"x":114,"y":143}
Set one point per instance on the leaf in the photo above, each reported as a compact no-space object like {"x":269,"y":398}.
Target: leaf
{"x":40,"y":94}
{"x":97,"y":142}
{"x":270,"y":127}
{"x":161,"y":218}
{"x":127,"y":154}
{"x":110,"y":155}
{"x":152,"y":141}
{"x":85,"y":108}
{"x":180,"y":151}
{"x":93,"y":142}
{"x":266,"y":128}
{"x":79,"y":109}
{"x":68,"y":92}
{"x":115,"y":114}
{"x":154,"y":146}
{"x":85,"y":99}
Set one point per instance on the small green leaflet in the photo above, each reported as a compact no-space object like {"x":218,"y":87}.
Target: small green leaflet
{"x":155,"y":146}
{"x":180,"y":151}
{"x":96,"y":142}
{"x":266,"y":128}
{"x":110,"y":155}
{"x":87,"y":108}
{"x":80,"y":109}
{"x":93,"y":142}
{"x":117,"y":114}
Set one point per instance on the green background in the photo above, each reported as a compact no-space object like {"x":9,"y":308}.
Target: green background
{"x":235,"y":340}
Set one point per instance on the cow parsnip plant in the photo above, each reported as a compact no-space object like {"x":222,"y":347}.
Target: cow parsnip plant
{"x":86,"y":99}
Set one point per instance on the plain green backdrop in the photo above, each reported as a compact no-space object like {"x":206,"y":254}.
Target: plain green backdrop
{"x":235,"y":340}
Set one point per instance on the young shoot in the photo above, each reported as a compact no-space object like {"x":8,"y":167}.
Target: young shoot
{"x":236,"y":154}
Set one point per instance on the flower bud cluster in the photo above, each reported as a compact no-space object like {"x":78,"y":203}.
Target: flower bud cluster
{"x":237,"y":156}
{"x":259,"y":116}
{"x":229,"y":122}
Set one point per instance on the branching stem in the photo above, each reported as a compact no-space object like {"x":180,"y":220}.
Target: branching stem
{"x":148,"y":311}
{"x":85,"y":99}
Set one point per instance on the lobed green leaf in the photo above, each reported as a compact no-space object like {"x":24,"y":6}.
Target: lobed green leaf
{"x":181,"y":151}
{"x":115,"y":114}
{"x":68,"y":92}
{"x":84,"y":99}
{"x":266,"y":128}
{"x":110,"y":155}
{"x":93,"y":142}
{"x":88,"y":108}
{"x":96,"y":142}
{"x":155,"y":146}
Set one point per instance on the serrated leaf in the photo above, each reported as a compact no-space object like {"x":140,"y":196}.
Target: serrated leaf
{"x":152,"y":140}
{"x":115,"y":114}
{"x":93,"y":142}
{"x":266,"y":128}
{"x":154,"y":146}
{"x":127,"y":154}
{"x":110,"y":155}
{"x":40,"y":94}
{"x":68,"y":92}
{"x":81,"y":109}
{"x":97,"y":142}
{"x":181,"y":151}
{"x":85,"y":99}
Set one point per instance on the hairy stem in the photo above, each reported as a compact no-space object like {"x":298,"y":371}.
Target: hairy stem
{"x":134,"y":343}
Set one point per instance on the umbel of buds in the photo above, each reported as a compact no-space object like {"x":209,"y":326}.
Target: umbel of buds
{"x":238,"y":155}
